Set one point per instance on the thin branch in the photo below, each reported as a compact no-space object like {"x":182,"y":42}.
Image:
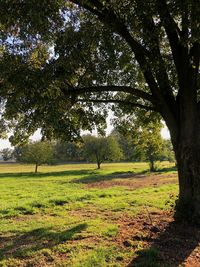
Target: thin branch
{"x":110,"y":88}
{"x":115,"y":101}
{"x":86,"y":6}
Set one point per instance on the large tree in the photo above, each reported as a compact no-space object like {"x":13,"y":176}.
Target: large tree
{"x":59,"y":58}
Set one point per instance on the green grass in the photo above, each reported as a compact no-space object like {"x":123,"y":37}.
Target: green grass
{"x":53,"y":219}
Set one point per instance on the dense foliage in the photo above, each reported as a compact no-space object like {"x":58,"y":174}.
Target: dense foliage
{"x":141,"y":140}
{"x":36,"y":153}
{"x":100,"y":149}
{"x":68,"y":151}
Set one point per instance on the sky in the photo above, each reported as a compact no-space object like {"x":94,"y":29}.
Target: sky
{"x":5,"y":143}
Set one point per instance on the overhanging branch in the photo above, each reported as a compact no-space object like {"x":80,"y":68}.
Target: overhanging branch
{"x":108,"y":16}
{"x":109,"y":88}
{"x":115,"y":101}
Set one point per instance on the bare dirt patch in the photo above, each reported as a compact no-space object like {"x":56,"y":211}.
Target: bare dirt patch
{"x":136,"y":181}
{"x":176,"y":244}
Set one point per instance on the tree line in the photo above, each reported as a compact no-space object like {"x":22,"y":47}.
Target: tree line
{"x":147,"y":145}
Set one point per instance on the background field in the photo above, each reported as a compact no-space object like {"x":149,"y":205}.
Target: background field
{"x":75,"y":215}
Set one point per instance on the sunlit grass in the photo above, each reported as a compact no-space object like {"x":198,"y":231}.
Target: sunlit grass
{"x":53,"y":212}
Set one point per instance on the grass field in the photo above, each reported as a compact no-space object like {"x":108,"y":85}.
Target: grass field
{"x":75,"y":215}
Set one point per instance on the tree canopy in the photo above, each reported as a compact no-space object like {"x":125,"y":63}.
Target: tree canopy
{"x":100,"y":149}
{"x":144,"y":134}
{"x":68,"y":151}
{"x":63,"y":56}
{"x":150,"y":144}
{"x":37,"y":153}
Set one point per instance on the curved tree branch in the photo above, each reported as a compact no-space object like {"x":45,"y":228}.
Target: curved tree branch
{"x":107,"y":16}
{"x":109,"y":88}
{"x":115,"y":101}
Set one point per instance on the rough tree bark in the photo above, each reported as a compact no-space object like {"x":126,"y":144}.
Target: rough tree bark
{"x":187,"y":152}
{"x":188,"y":205}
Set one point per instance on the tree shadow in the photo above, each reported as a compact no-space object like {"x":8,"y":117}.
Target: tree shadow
{"x":21,"y":245}
{"x":170,"y":247}
{"x":167,"y":169}
{"x":114,"y":175}
{"x":86,"y":176}
{"x":25,"y":175}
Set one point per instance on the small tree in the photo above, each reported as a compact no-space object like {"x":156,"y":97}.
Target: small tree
{"x":37,"y":153}
{"x":150,"y":143}
{"x":144,"y":129}
{"x":7,"y":154}
{"x":100,"y":149}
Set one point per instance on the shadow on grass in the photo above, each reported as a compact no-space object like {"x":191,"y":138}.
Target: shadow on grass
{"x":22,"y":245}
{"x":170,"y":248}
{"x":167,"y":169}
{"x":115,"y":175}
{"x":25,"y":175}
{"x":86,"y":176}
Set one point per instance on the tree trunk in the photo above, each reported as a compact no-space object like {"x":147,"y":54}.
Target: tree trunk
{"x":185,"y":138}
{"x":36,"y":167}
{"x":98,"y":160}
{"x":98,"y":165}
{"x":188,"y":163}
{"x":152,"y":166}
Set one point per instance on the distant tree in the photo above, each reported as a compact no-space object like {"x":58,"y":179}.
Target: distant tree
{"x":144,"y":131}
{"x":7,"y":154}
{"x":100,"y":149}
{"x":168,"y":153}
{"x":150,"y":143}
{"x":17,"y":152}
{"x":37,"y":153}
{"x":68,"y":151}
{"x":127,"y":144}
